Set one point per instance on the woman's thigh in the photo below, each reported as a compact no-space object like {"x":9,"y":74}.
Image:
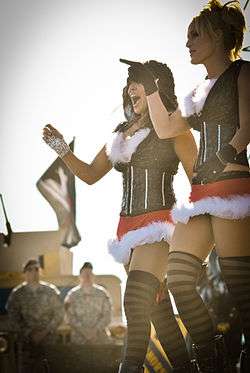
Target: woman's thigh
{"x":195,"y":237}
{"x":232,"y":237}
{"x":151,"y":258}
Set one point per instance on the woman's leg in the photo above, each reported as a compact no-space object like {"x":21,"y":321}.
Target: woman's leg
{"x":169,"y":333}
{"x":151,"y":258}
{"x":233,"y":248}
{"x":146,"y":272}
{"x":190,"y":245}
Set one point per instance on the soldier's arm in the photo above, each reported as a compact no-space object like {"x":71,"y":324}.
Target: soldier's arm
{"x":71,"y":316}
{"x":105,"y":317}
{"x":16,"y":316}
{"x":13,"y":310}
{"x":58,"y":312}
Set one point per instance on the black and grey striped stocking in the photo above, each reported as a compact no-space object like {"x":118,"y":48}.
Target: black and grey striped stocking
{"x":236,"y":273}
{"x":140,"y":294}
{"x":168,"y":331}
{"x":183,"y":273}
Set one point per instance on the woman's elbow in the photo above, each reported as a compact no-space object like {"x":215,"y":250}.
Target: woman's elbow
{"x":88,"y":179}
{"x":92,"y":180}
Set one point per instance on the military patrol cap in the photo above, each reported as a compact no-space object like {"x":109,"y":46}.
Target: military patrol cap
{"x":86,"y":265}
{"x":31,"y":263}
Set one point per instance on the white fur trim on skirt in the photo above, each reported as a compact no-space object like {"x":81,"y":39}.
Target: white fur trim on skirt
{"x":153,"y":232}
{"x":232,"y":207}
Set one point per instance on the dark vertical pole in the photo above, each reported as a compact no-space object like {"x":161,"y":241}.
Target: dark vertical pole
{"x":246,"y":4}
{"x":4,"y":211}
{"x":7,"y":238}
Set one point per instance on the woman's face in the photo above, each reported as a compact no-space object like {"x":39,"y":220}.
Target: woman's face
{"x":137,"y":97}
{"x":201,"y":46}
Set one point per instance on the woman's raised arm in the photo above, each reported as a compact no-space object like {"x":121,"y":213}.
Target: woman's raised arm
{"x":166,"y":125}
{"x":89,"y":173}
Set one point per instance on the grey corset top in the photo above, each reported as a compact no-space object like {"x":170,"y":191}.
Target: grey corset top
{"x":148,"y":177}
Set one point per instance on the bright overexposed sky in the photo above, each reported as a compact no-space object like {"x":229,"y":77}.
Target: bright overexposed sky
{"x":60,"y":65}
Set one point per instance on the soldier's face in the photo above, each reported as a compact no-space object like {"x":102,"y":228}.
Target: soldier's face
{"x":87,"y":277}
{"x":32,"y":274}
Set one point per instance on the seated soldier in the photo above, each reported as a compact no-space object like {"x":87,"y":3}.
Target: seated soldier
{"x":88,"y":310}
{"x":35,"y":311}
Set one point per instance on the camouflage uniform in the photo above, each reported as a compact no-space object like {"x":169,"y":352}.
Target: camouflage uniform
{"x":34,"y":309}
{"x":88,"y":309}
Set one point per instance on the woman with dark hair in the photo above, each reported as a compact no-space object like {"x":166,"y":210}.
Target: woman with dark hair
{"x":219,"y":208}
{"x":148,"y":165}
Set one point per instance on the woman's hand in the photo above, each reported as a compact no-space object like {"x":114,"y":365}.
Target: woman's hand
{"x":139,"y":73}
{"x":49,"y":130}
{"x":55,"y":140}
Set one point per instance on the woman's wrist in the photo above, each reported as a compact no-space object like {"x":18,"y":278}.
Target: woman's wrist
{"x":58,"y":145}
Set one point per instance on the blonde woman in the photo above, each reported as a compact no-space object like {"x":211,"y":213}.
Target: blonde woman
{"x":219,"y":209}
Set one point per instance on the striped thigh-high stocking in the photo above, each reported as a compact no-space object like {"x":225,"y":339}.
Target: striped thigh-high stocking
{"x":140,"y":294}
{"x":184,"y":270}
{"x":168,"y":331}
{"x":236,"y":273}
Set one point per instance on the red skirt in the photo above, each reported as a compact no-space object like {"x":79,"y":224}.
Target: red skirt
{"x":139,"y":230}
{"x":227,"y":199}
{"x":130,"y":223}
{"x":223,"y":189}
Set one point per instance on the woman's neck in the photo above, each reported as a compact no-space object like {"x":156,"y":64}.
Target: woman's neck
{"x":138,"y":124}
{"x":216,"y":66}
